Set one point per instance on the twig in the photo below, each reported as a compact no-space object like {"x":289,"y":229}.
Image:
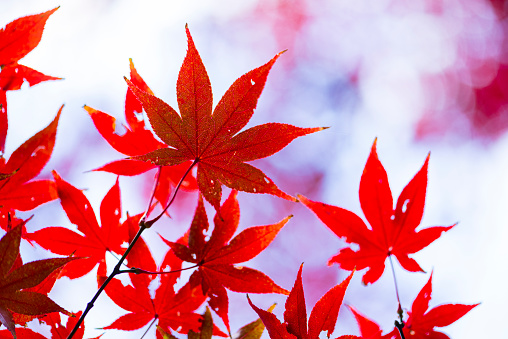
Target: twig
{"x":142,"y":226}
{"x":151,"y":222}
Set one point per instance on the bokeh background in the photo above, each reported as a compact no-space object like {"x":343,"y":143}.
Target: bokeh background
{"x":421,"y":76}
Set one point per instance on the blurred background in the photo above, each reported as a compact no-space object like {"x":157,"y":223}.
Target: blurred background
{"x":421,"y":76}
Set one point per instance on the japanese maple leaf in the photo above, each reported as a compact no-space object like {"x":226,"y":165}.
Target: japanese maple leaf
{"x":211,"y":140}
{"x":17,"y":39}
{"x":17,"y":189}
{"x":58,"y":331}
{"x":216,"y":257}
{"x":369,"y":329}
{"x":170,"y":309}
{"x":252,"y":330}
{"x":422,"y":321}
{"x":322,"y":318}
{"x":16,"y":285}
{"x":137,"y":140}
{"x":391,"y":232}
{"x":96,"y":240}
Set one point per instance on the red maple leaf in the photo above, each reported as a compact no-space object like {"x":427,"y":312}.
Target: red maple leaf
{"x":216,"y":257}
{"x":170,"y":309}
{"x":18,"y":284}
{"x":17,"y":39}
{"x":96,"y":240}
{"x":391,"y":232}
{"x":137,"y":140}
{"x":17,"y":189}
{"x":421,"y":321}
{"x":369,"y":329}
{"x":322,"y":317}
{"x":211,"y":140}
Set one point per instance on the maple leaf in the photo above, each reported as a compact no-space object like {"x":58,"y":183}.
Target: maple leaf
{"x":322,"y":317}
{"x":421,"y":321}
{"x":17,"y":190}
{"x":137,"y":140}
{"x":95,"y":241}
{"x":17,"y":39}
{"x":170,"y":309}
{"x":369,"y":329}
{"x":211,"y":140}
{"x":16,"y":284}
{"x":216,"y":257}
{"x":392,"y":231}
{"x":252,"y":330}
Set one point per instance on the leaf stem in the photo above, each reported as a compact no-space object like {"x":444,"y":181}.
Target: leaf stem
{"x":151,"y":222}
{"x":156,"y":183}
{"x":399,"y":325}
{"x":149,"y":327}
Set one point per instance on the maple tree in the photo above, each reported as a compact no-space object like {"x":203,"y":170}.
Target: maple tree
{"x":212,"y":142}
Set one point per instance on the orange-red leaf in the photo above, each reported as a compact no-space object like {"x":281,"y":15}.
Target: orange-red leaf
{"x":96,"y":240}
{"x":21,"y":36}
{"x":322,"y":318}
{"x":26,"y":162}
{"x":17,"y":293}
{"x":211,"y":139}
{"x":217,"y":256}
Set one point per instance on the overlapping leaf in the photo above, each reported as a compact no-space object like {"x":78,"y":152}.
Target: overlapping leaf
{"x":135,"y":140}
{"x":17,"y":284}
{"x":211,"y":140}
{"x":17,"y":189}
{"x":173,"y":310}
{"x":96,"y":240}
{"x":391,"y":232}
{"x":216,"y":257}
{"x":421,"y":322}
{"x":17,"y":39}
{"x":323,"y":316}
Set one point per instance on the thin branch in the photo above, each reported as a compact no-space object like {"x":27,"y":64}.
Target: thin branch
{"x":143,"y":225}
{"x":89,"y":306}
{"x":151,"y":222}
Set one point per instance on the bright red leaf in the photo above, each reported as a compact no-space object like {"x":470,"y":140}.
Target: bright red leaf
{"x":391,"y":232}
{"x":369,"y":329}
{"x":96,"y":240}
{"x":172,"y":310}
{"x":136,"y":139}
{"x":212,"y":140}
{"x":17,"y":284}
{"x":322,"y":317}
{"x":422,"y":321}
{"x":17,"y":39}
{"x":216,"y":257}
{"x":17,"y":189}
